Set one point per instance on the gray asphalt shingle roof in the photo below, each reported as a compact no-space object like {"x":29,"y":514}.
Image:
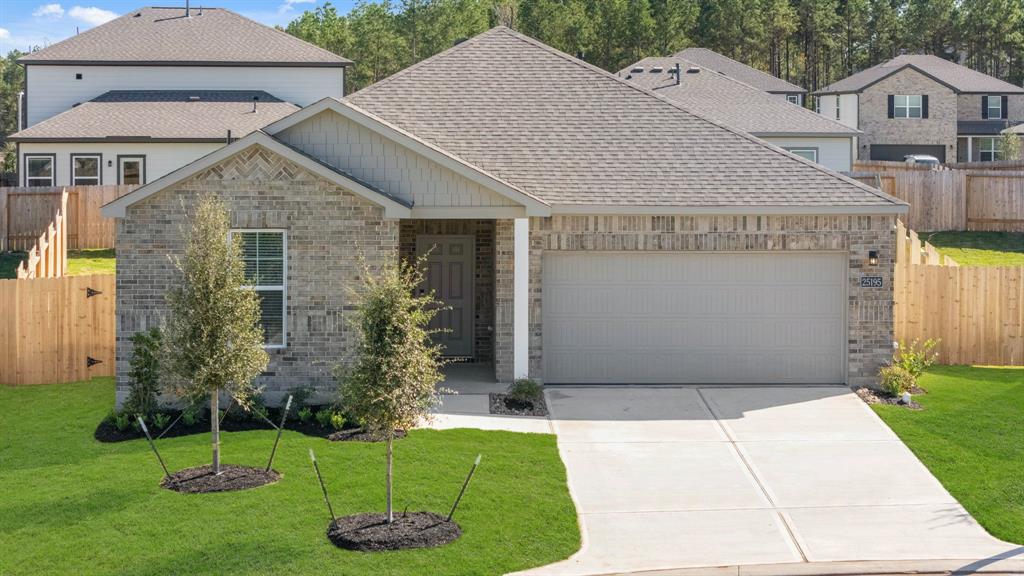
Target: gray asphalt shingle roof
{"x":570,"y":133}
{"x":191,"y":115}
{"x":957,"y":77}
{"x":723,"y":64}
{"x":165,"y":36}
{"x":729,"y":101}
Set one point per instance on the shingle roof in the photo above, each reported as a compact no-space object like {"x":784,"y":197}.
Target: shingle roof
{"x":723,"y":64}
{"x":570,"y":133}
{"x":729,"y":101}
{"x":190,"y":115}
{"x":211,"y":36}
{"x":981,"y":127}
{"x":959,"y":78}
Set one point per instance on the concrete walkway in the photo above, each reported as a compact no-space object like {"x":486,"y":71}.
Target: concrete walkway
{"x":685,"y":477}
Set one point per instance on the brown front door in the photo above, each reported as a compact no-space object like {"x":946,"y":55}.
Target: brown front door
{"x":449,"y":273}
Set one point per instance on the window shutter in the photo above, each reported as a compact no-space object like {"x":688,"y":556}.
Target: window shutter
{"x":984,"y":107}
{"x":1003,"y":107}
{"x":924,"y":106}
{"x":892,"y":106}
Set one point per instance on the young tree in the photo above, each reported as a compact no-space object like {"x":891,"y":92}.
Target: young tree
{"x":1010,"y":147}
{"x":213,"y":340}
{"x":392,"y":382}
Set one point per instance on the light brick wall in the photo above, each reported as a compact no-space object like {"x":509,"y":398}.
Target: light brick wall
{"x":878,"y":128}
{"x":327,"y":229}
{"x":504,"y":264}
{"x":870,"y":329}
{"x":969,"y":107}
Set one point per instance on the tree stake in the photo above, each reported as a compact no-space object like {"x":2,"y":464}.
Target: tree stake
{"x":463,"y":491}
{"x":153,"y":446}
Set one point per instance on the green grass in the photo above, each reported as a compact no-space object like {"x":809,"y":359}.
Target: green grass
{"x":980,"y":248}
{"x":71,"y":505}
{"x":80,"y":262}
{"x":971,"y":436}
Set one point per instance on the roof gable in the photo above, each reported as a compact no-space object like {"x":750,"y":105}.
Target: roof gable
{"x":574,"y":135}
{"x":761,"y":80}
{"x":950,"y":74}
{"x":165,"y":36}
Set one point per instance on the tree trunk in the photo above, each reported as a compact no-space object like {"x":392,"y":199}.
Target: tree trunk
{"x":215,"y":429}
{"x":391,"y":516}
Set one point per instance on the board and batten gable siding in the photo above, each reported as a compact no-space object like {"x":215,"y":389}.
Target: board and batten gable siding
{"x":833,"y":153}
{"x":869,"y":318}
{"x":386,"y":164}
{"x":328,"y":229}
{"x":161,"y":157}
{"x":54,"y":89}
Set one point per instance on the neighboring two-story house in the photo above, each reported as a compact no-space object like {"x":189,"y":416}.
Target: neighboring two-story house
{"x":919,"y":104}
{"x":763,"y":81}
{"x":739,"y":105}
{"x":144,"y":94}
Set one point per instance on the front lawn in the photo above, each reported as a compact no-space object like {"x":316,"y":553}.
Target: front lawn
{"x":71,"y":505}
{"x":80,"y":262}
{"x":971,"y":436}
{"x":980,"y":248}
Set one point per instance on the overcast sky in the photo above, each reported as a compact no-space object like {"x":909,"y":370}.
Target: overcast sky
{"x":26,"y":23}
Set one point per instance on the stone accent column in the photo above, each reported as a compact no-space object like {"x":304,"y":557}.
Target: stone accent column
{"x":504,"y":294}
{"x":870,"y":314}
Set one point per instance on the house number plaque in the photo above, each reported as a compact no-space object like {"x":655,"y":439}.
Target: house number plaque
{"x":871,"y":282}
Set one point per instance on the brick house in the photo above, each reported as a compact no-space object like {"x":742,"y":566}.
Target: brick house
{"x":581,"y":229}
{"x":920,"y":104}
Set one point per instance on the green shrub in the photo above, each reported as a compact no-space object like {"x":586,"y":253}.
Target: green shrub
{"x":144,"y":374}
{"x":916,"y":358}
{"x":323,"y":417}
{"x":305,"y":414}
{"x":526,"y":391}
{"x":122,"y":421}
{"x":300,"y":396}
{"x":257,"y":407}
{"x":337,"y":420}
{"x":896,"y":380}
{"x":161,"y":420}
{"x":190,"y":415}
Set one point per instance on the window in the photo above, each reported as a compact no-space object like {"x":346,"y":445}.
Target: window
{"x":793,"y":99}
{"x":995,"y":106}
{"x":39,"y":170}
{"x":837,"y":107}
{"x":264,"y":254}
{"x":809,"y":153}
{"x":131,"y":170}
{"x":989,"y":149}
{"x":817,"y":104}
{"x":907,"y":106}
{"x":85,"y":169}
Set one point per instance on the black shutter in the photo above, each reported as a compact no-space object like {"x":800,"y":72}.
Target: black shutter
{"x":984,"y":107}
{"x":924,"y":106}
{"x":1003,"y":107}
{"x":892,"y":106}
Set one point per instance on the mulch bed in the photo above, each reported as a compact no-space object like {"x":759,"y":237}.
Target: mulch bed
{"x":370,"y":532}
{"x":871,"y":396}
{"x":502,"y":404}
{"x":360,"y":435}
{"x":202,"y":480}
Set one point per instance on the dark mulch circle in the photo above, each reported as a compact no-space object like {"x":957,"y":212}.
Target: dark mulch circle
{"x":201,"y":480}
{"x":878,"y":397}
{"x":360,"y":435}
{"x":502,"y":404}
{"x":370,"y":532}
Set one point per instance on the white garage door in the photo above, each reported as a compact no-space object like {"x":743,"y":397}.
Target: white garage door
{"x":660,"y":318}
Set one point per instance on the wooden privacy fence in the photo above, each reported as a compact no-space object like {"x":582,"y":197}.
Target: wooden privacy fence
{"x":26,"y":212}
{"x":56,"y":329}
{"x":953,"y":199}
{"x":976,"y":312}
{"x":49,"y":257}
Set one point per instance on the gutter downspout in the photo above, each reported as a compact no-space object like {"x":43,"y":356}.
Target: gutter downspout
{"x":21,"y":96}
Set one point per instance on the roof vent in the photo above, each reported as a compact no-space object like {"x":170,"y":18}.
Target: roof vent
{"x":657,"y":70}
{"x":193,"y":98}
{"x":637,"y":69}
{"x":693,"y":70}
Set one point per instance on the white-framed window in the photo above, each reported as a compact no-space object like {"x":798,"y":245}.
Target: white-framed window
{"x":131,"y":170}
{"x":793,"y":98}
{"x":995,"y":107}
{"x":85,"y":169}
{"x":809,"y":153}
{"x":40,"y":169}
{"x":988,"y":147}
{"x":265,"y":252}
{"x":907,"y":106}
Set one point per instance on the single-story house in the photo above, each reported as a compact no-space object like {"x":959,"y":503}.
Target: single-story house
{"x":583,"y":230}
{"x":742,"y":106}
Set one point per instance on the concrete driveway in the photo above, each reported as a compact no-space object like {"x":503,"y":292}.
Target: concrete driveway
{"x":683,"y":477}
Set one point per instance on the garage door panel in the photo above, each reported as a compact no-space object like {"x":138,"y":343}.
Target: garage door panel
{"x":693,"y":318}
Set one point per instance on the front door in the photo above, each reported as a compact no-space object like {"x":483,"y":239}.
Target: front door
{"x":449,"y":273}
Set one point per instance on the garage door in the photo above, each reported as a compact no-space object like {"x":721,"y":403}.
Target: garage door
{"x":660,"y":318}
{"x":897,"y":152}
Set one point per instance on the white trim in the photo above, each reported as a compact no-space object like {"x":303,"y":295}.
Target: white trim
{"x":797,"y":151}
{"x":392,"y":208}
{"x":283,"y":288}
{"x":807,"y":210}
{"x":99,"y":169}
{"x":476,"y":212}
{"x":534,"y":207}
{"x":907,"y":108}
{"x":521,"y":299}
{"x":999,"y":106}
{"x":53,"y":169}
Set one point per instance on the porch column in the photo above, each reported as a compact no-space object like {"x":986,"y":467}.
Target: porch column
{"x":970,"y":154}
{"x":521,"y":299}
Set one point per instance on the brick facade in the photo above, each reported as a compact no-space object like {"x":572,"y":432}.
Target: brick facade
{"x":969,"y":107}
{"x":327,"y":229}
{"x":870,"y":310}
{"x":878,"y":128}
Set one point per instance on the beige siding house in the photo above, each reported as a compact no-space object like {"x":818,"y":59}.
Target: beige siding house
{"x":582,"y":229}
